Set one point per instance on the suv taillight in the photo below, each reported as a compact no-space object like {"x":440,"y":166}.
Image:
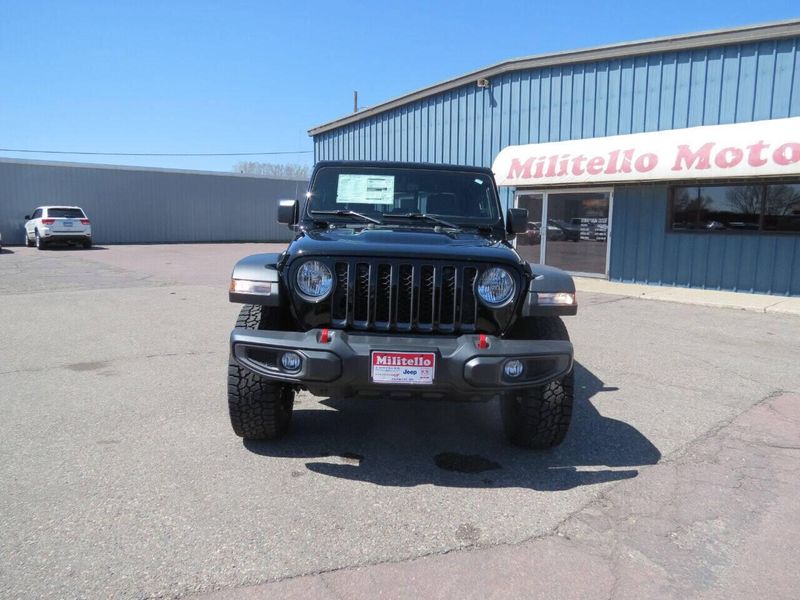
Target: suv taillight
{"x":48,"y":221}
{"x":84,"y":221}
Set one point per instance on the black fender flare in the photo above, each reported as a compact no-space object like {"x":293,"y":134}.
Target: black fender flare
{"x":259,"y":269}
{"x":548,"y":280}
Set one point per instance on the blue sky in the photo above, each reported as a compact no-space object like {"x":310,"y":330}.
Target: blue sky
{"x":237,"y":76}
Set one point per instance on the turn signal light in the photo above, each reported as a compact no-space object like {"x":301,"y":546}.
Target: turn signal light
{"x":555,"y":298}
{"x":261,"y":288}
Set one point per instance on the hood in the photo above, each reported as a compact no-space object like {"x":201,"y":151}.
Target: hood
{"x":403,"y":242}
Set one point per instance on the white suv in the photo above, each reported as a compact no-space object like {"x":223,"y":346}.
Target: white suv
{"x":50,"y":224}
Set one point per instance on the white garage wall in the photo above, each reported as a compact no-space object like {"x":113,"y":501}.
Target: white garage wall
{"x":136,"y":205}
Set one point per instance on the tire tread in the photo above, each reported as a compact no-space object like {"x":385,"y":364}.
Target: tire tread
{"x":259,"y":409}
{"x":539,"y":417}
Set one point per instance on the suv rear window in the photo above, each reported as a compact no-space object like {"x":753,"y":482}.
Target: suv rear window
{"x":65,"y":213}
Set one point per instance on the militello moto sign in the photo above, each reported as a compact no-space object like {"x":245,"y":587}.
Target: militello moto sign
{"x":754,"y":149}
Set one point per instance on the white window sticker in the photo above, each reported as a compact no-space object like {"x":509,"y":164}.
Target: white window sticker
{"x":365,"y":189}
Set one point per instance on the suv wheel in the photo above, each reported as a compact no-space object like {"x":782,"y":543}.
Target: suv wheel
{"x":28,"y":242}
{"x":539,"y":417}
{"x":39,"y":242}
{"x":259,"y":408}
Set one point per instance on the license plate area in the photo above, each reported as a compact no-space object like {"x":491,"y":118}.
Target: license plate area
{"x":402,"y":368}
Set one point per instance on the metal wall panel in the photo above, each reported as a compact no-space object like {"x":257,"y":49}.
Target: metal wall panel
{"x":148,"y":206}
{"x":469,"y":125}
{"x":659,"y":91}
{"x":643,"y":251}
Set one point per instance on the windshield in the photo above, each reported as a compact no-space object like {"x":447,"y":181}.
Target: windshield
{"x":69,"y":213}
{"x":382,"y":193}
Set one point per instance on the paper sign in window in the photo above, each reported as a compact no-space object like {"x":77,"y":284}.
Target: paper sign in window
{"x":365,"y":189}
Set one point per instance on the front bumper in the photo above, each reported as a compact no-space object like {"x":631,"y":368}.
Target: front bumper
{"x":342,"y":366}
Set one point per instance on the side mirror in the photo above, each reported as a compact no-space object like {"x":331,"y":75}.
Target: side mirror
{"x":517,"y":220}
{"x":287,"y":212}
{"x":27,"y":217}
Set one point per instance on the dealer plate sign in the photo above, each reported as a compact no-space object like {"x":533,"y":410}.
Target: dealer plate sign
{"x":403,"y":367}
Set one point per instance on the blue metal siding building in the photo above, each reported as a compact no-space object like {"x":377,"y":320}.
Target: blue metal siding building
{"x":730,"y":76}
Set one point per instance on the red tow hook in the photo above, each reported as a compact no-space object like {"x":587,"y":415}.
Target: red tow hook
{"x":482,"y":343}
{"x":324,"y":336}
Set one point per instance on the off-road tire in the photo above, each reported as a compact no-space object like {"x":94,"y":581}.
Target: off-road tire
{"x":259,"y":409}
{"x":539,"y":417}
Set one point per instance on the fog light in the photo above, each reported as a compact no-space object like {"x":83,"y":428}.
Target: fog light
{"x":513,"y":368}
{"x":291,"y":361}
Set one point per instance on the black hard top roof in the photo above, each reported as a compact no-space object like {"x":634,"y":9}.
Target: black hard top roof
{"x":402,"y":165}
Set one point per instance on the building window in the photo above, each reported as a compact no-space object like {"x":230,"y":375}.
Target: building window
{"x":750,"y":207}
{"x":782,"y":207}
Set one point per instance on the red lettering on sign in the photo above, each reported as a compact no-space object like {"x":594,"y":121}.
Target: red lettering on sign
{"x":551,"y":166}
{"x":613,"y":157}
{"x":787,"y":154}
{"x":595,"y":165}
{"x":702,"y":157}
{"x":562,"y":166}
{"x":539,"y":168}
{"x":754,"y":158}
{"x":728,"y":157}
{"x":627,"y":157}
{"x":646,"y":162}
{"x":577,"y":169}
{"x":521,"y":170}
{"x":402,"y":360}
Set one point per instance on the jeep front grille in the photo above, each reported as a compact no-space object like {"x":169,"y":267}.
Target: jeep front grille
{"x":394,"y":295}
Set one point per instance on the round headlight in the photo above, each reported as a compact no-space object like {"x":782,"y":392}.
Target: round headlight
{"x":496,"y":286}
{"x":314,"y":280}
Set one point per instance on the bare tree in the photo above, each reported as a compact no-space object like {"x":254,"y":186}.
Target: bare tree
{"x":745,"y":199}
{"x":278,"y":171}
{"x":783,"y":200}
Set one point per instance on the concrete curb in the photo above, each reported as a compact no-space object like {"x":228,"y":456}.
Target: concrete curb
{"x":717,"y":299}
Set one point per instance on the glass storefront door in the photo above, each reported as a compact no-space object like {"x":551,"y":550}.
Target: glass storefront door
{"x":575,"y":237}
{"x":529,"y":244}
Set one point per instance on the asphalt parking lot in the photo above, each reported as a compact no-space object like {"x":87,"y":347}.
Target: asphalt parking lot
{"x":121,"y":476}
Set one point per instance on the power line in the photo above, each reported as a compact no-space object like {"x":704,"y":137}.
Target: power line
{"x":156,"y":153}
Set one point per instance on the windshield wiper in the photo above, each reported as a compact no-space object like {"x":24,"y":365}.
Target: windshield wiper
{"x":346,"y":213}
{"x":425,"y":217}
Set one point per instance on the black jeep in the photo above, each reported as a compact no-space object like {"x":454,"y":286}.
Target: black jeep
{"x":402,"y":281}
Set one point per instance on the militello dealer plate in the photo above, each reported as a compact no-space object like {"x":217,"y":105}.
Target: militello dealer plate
{"x":403,"y":367}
